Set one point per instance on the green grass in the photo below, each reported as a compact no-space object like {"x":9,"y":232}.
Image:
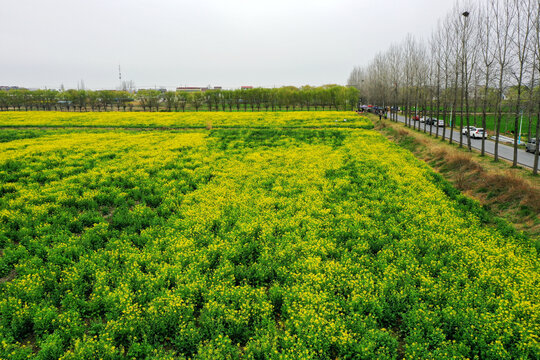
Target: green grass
{"x":507,"y":123}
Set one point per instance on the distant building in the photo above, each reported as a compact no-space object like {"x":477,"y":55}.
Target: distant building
{"x":6,"y":88}
{"x":246,"y":87}
{"x":190,"y":89}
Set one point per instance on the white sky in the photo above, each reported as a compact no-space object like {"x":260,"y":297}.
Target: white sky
{"x":229,"y":43}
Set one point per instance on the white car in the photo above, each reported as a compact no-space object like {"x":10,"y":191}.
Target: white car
{"x":468,"y":129}
{"x":478,"y":133}
{"x":440,"y":123}
{"x":423,"y":119}
{"x":531,"y":146}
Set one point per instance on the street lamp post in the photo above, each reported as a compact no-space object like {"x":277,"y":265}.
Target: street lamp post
{"x":464,"y":84}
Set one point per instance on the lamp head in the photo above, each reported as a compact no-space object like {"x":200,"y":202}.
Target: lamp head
{"x":466,"y":14}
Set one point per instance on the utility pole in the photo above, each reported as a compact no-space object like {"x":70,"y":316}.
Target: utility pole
{"x":466,"y":73}
{"x":463,"y":78}
{"x":122,"y":87}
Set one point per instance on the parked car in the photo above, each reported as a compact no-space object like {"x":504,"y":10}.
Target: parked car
{"x":478,"y":133}
{"x":423,"y":119}
{"x":440,"y":123}
{"x":431,"y":121}
{"x":416,"y":117}
{"x":531,"y":146}
{"x":468,"y":129}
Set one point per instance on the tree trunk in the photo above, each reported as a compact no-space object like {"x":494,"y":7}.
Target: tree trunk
{"x":467,"y":109}
{"x":516,"y":121}
{"x":461,"y":108}
{"x":454,"y":109}
{"x":535,"y":166}
{"x":438,"y":102}
{"x":484,"y":115}
{"x":498,"y":117}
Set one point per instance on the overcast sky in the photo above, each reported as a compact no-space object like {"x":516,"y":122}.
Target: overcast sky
{"x":229,"y":43}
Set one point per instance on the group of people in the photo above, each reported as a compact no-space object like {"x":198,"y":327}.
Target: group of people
{"x":379,"y":111}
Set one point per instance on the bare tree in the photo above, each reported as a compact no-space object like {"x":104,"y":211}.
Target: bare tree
{"x":447,"y":67}
{"x":436,"y":45}
{"x":486,"y":51}
{"x":394,"y":62}
{"x":458,"y":48}
{"x":523,"y":10}
{"x":470,"y":57}
{"x":418,"y":69}
{"x":536,"y":65}
{"x":503,"y":17}
{"x":423,"y":88}
{"x":409,"y":50}
{"x":356,"y":77}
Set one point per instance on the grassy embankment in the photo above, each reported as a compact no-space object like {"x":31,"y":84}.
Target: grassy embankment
{"x":511,"y":193}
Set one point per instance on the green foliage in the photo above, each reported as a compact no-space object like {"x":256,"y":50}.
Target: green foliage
{"x":287,"y":97}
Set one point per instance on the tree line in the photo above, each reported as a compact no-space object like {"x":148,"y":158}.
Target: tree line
{"x":327,"y":97}
{"x":481,"y":63}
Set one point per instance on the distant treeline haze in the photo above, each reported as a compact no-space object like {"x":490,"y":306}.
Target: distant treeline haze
{"x":328,"y":97}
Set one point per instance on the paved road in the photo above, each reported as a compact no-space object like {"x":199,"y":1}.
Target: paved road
{"x":505,"y":151}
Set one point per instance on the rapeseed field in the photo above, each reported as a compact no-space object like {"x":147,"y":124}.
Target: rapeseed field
{"x":280,"y":242}
{"x":219,"y":119}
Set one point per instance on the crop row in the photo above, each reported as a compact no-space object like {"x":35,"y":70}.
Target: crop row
{"x":186,"y":120}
